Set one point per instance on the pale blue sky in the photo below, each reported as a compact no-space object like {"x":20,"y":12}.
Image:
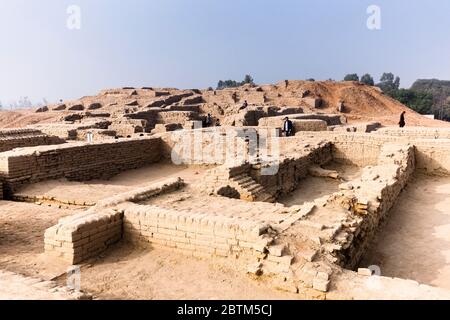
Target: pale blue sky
{"x":194,"y":43}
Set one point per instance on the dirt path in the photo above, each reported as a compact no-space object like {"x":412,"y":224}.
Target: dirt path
{"x":92,"y":191}
{"x":22,"y":228}
{"x":129,"y":272}
{"x":415,"y":242}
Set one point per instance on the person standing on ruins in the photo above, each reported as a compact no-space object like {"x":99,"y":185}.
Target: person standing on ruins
{"x":402,"y":122}
{"x":288,"y":127}
{"x":209,"y":121}
{"x":244,"y":106}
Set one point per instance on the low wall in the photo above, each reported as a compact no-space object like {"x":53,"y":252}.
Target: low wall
{"x":193,"y":234}
{"x":76,"y":161}
{"x":362,"y":149}
{"x":20,"y":138}
{"x":416,"y":132}
{"x":309,"y":125}
{"x":369,"y":200}
{"x":433,"y":156}
{"x":293,"y":168}
{"x":82,"y":236}
{"x":330,"y":119}
{"x":359,"y":127}
{"x":217,"y":145}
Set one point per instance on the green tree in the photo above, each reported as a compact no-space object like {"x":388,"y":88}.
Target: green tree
{"x":351,"y":77}
{"x":233,"y":84}
{"x":248,"y":79}
{"x":367,"y":79}
{"x":389,"y":84}
{"x":420,"y":102}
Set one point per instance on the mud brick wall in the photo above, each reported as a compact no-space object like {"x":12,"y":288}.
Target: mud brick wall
{"x":209,"y":146}
{"x":433,"y":156}
{"x":83,"y":236}
{"x":309,"y":125}
{"x":416,"y":132}
{"x":193,"y":234}
{"x":77,"y":161}
{"x":68,"y":131}
{"x":20,"y":138}
{"x":359,"y":127}
{"x":330,"y":119}
{"x":293,"y":168}
{"x":369,"y":200}
{"x":362,"y":149}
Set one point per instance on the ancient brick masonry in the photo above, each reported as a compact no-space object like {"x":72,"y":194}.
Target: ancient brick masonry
{"x":193,"y":234}
{"x":77,"y":161}
{"x":19,"y":138}
{"x":84,"y":236}
{"x":369,"y":200}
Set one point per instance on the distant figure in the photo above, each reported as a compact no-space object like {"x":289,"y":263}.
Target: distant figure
{"x":217,"y":123}
{"x":209,"y":120}
{"x":402,"y":122}
{"x":288,"y":127}
{"x":244,"y":106}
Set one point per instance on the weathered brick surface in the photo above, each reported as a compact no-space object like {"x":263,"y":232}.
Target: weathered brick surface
{"x":19,"y":138}
{"x":193,"y":233}
{"x":369,"y":200}
{"x":77,"y":161}
{"x":85,"y":235}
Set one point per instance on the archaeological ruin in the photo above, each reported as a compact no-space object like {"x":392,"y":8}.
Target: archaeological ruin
{"x":322,"y":214}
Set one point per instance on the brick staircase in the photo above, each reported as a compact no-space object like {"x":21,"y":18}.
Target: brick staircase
{"x":250,"y":190}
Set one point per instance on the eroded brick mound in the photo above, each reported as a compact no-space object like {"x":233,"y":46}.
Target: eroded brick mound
{"x":356,"y":101}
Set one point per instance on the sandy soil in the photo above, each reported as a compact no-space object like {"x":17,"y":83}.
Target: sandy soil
{"x":23,"y":118}
{"x":312,"y":188}
{"x":92,"y":191}
{"x":415,"y":242}
{"x":22,"y":228}
{"x":123,"y":272}
{"x":129,"y":272}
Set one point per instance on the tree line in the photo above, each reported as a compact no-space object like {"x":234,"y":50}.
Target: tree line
{"x":419,"y":100}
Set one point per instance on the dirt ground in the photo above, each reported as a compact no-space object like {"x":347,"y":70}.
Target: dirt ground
{"x":129,"y":272}
{"x":414,"y":243}
{"x":124,"y":271}
{"x":22,"y":227}
{"x":92,"y":191}
{"x":312,"y":188}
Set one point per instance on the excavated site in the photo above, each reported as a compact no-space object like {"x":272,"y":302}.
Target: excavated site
{"x":132,"y":189}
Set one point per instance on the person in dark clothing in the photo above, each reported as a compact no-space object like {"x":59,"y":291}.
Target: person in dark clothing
{"x":288,"y":127}
{"x":244,"y":106}
{"x":402,"y":122}
{"x":209,"y":121}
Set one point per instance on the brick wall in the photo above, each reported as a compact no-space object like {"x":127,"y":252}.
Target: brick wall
{"x":76,"y":161}
{"x":369,"y":200}
{"x":85,"y":235}
{"x":193,"y":234}
{"x":20,"y":138}
{"x":80,"y":237}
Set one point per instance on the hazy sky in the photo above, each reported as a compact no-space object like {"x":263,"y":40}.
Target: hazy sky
{"x":194,"y":43}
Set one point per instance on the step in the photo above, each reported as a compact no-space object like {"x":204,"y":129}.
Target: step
{"x":255,"y":188}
